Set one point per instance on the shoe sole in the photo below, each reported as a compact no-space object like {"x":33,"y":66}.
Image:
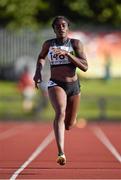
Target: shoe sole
{"x":61,"y":161}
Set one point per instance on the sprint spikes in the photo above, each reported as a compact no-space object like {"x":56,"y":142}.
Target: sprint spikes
{"x":61,"y":159}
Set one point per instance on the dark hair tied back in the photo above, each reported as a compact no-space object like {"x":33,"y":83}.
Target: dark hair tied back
{"x":58,"y":18}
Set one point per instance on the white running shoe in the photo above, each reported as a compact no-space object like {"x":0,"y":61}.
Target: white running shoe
{"x":61,"y":159}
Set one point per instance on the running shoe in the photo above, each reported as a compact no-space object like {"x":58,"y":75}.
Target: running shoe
{"x":61,"y":159}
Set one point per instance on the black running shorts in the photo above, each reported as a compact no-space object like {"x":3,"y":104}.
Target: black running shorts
{"x":71,"y":88}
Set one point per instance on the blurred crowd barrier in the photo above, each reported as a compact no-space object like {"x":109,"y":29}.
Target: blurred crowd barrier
{"x":20,"y":49}
{"x":103,"y":53}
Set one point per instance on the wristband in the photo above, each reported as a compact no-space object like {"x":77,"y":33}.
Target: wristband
{"x":42,"y":85}
{"x":68,"y":53}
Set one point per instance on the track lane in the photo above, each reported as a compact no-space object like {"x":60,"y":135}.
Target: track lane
{"x":87,"y":157}
{"x":15,"y":150}
{"x":7,"y":126}
{"x":113,"y":132}
{"x":99,"y":133}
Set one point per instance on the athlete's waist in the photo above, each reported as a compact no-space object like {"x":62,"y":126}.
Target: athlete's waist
{"x":66,"y":79}
{"x":58,"y":65}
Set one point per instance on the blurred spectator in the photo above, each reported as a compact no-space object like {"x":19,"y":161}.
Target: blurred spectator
{"x":107,"y":70}
{"x":26,"y":88}
{"x":43,"y":102}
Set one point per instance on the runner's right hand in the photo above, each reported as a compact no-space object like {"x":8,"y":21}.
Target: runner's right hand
{"x":37,"y":79}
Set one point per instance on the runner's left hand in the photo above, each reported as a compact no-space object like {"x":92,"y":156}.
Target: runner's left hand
{"x":60,"y":51}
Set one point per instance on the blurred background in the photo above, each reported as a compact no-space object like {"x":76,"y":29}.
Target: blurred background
{"x":25,"y":25}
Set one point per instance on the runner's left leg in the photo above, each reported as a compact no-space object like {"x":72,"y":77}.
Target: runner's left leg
{"x":71,"y":111}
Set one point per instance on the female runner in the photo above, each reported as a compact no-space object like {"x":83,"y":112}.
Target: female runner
{"x":65,"y":55}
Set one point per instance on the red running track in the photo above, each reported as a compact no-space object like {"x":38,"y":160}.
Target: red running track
{"x":28,"y":151}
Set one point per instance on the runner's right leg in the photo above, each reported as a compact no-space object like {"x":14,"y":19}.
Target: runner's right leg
{"x":58,"y":99}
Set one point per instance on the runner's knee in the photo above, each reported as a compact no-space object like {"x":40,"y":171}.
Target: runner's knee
{"x":60,"y":114}
{"x":69,"y":125}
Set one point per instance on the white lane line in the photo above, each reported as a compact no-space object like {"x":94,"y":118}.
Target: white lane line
{"x":38,"y":150}
{"x":8,"y":133}
{"x":104,"y":139}
{"x":12,"y":131}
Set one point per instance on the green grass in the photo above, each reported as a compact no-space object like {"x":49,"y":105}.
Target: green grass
{"x":91,"y":93}
{"x":101,"y":88}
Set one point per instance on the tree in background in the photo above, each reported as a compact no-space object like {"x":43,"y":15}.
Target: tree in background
{"x":36,"y":13}
{"x":21,"y":13}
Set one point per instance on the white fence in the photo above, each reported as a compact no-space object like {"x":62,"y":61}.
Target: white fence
{"x":18,"y":49}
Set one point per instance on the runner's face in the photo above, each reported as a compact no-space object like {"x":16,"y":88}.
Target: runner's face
{"x":61,"y":28}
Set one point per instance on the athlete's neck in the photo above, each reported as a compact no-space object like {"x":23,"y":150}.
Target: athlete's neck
{"x":62,"y":40}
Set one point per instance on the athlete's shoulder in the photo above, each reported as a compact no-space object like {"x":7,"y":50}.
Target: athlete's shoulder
{"x":47,"y":44}
{"x":49,"y":41}
{"x":76,"y":43}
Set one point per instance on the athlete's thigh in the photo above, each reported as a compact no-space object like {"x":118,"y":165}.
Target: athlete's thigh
{"x":58,"y":98}
{"x":72,"y":108}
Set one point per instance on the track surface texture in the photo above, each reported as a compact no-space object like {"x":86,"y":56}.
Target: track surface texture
{"x":28,"y":151}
